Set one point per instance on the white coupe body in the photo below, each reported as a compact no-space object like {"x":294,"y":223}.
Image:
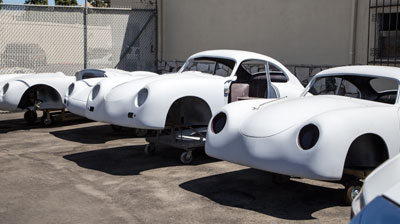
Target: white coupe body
{"x":383,"y":181}
{"x":190,"y":96}
{"x":342,"y":120}
{"x":77,"y":96}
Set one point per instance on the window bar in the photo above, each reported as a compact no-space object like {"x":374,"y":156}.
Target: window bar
{"x":389,"y":32}
{"x":369,"y":30}
{"x":376,"y":38}
{"x":381,"y":30}
{"x":397,"y":28}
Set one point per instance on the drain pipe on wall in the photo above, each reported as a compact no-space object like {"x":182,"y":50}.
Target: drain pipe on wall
{"x":353,"y":29}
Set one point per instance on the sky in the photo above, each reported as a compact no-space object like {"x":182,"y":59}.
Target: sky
{"x":51,"y":2}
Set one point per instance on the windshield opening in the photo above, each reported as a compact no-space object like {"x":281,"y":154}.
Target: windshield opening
{"x":376,"y":89}
{"x":213,"y":66}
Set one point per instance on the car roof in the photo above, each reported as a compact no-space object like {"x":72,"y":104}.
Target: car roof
{"x":236,"y":55}
{"x":363,"y":70}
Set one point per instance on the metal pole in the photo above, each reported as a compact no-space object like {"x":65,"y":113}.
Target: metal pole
{"x":397,"y":28}
{"x":85,"y":44}
{"x":381,"y":33}
{"x":157,"y":39}
{"x":389,"y":31}
{"x":369,"y":32}
{"x":376,"y":32}
{"x":353,"y":30}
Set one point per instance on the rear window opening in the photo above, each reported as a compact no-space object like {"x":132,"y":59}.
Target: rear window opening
{"x":378,"y":89}
{"x":213,"y":66}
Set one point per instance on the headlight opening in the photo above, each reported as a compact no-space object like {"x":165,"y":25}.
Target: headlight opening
{"x":95,"y":92}
{"x":218,"y":123}
{"x":5,"y":89}
{"x":142,"y":97}
{"x":71,"y":89}
{"x":308,"y":136}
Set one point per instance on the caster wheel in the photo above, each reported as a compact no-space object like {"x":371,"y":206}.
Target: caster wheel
{"x":150,"y":149}
{"x":351,"y":191}
{"x":186,"y":158}
{"x":280,"y":178}
{"x":30,"y":116}
{"x":139,"y":132}
{"x":116,"y":127}
{"x":47,"y":119}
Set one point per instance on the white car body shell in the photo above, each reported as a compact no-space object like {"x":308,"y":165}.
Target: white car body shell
{"x":385,"y":180}
{"x":166,"y":89}
{"x":76,"y":101}
{"x":263,"y":134}
{"x":16,"y":87}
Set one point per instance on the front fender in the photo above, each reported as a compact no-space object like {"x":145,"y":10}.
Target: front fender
{"x":237,"y":113}
{"x":10,"y":99}
{"x":76,"y":101}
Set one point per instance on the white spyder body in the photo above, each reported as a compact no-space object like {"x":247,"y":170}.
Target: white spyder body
{"x":45,"y":90}
{"x":207,"y":81}
{"x":351,"y":120}
{"x":77,"y":96}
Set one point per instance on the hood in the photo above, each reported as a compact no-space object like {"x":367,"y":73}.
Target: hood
{"x":277,"y":116}
{"x":81,"y":88}
{"x":173,"y":79}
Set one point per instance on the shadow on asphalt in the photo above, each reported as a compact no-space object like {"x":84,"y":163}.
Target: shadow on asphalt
{"x":93,"y":135}
{"x":131,"y":160}
{"x":255,"y":190}
{"x":20,"y":124}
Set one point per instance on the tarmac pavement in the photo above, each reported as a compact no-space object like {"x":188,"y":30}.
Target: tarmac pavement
{"x":84,"y":172}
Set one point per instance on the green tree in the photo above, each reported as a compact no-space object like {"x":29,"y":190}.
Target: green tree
{"x":37,"y":2}
{"x":66,"y":2}
{"x":1,"y":1}
{"x":100,"y":3}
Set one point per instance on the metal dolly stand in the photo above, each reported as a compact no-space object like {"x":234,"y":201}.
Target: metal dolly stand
{"x":186,"y":138}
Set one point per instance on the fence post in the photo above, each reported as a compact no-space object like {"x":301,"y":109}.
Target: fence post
{"x":85,"y":55}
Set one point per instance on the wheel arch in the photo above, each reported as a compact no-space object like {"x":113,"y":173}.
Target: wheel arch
{"x":44,"y":91}
{"x":189,"y":110}
{"x":366,"y":151}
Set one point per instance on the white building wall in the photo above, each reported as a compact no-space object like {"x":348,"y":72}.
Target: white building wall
{"x":319,"y":32}
{"x":292,"y":31}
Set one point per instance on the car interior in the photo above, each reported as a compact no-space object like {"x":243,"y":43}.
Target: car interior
{"x":252,"y":81}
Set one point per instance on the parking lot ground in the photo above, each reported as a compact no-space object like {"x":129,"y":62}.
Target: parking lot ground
{"x":84,"y":172}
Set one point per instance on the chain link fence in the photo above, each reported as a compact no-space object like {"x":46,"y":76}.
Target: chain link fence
{"x":52,"y":38}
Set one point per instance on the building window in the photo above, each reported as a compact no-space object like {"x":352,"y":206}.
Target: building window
{"x":384,"y":33}
{"x":388,"y":37}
